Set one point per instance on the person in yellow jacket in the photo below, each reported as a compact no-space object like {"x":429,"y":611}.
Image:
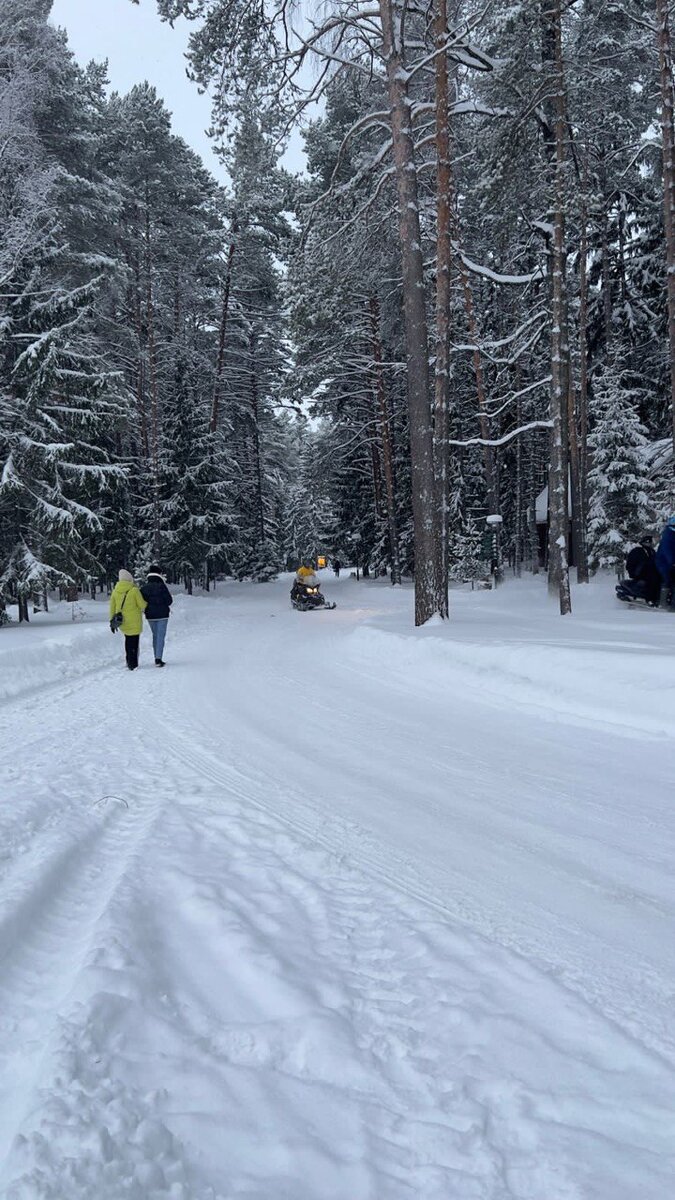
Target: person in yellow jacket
{"x":127,"y":600}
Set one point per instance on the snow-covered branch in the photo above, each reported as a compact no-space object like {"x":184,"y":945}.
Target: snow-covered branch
{"x":503,"y":441}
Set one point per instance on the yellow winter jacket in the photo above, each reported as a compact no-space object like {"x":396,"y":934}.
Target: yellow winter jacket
{"x":303,"y":572}
{"x":134,"y":606}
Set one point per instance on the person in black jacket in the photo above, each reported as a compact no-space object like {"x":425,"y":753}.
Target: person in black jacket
{"x":159,"y":600}
{"x":643,"y":572}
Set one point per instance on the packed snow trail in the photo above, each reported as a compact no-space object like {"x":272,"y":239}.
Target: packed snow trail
{"x":332,"y":910}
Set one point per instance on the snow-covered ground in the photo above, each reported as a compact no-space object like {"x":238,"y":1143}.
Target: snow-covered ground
{"x":330,"y":909}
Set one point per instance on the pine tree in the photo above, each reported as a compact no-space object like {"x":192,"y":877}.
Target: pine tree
{"x":255,"y":354}
{"x":622,"y":502}
{"x":58,"y":394}
{"x":198,"y":528}
{"x":467,"y":561}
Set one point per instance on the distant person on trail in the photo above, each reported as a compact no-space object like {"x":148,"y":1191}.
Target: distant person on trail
{"x":159,"y":601}
{"x":643,"y":571}
{"x":336,"y":567}
{"x":665,"y":560}
{"x":126,"y":614}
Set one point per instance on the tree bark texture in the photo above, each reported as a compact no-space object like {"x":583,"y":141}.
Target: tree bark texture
{"x":222,"y":335}
{"x":386,"y":440}
{"x":428,"y":600}
{"x":558,"y":472}
{"x":668,"y":139}
{"x":582,"y":572}
{"x":154,"y":391}
{"x":257,"y":449}
{"x":444,"y":206}
{"x":489,"y":460}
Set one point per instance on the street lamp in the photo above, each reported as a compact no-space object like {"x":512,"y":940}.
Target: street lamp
{"x":494,"y":524}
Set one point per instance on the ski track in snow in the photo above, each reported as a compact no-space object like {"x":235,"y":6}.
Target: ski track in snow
{"x":262,"y":979}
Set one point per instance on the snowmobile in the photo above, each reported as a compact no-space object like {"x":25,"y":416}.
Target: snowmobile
{"x":305,"y":596}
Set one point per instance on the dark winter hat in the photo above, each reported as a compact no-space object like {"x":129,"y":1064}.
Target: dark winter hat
{"x":154,"y":570}
{"x":647,"y":540}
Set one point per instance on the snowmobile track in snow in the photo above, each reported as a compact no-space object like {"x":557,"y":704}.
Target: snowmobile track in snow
{"x":347,"y":840}
{"x":48,"y":920}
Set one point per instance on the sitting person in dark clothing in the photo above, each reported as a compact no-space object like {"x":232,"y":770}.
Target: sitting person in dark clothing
{"x":643,"y":574}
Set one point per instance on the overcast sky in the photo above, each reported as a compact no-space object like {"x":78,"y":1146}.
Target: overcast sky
{"x":139,"y":46}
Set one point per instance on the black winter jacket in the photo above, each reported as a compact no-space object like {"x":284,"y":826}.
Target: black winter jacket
{"x":158,"y":596}
{"x":641,"y":562}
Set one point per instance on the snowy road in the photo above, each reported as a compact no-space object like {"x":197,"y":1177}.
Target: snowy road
{"x":374,"y":915}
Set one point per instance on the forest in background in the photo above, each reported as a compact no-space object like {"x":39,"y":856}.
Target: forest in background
{"x":468,"y":297}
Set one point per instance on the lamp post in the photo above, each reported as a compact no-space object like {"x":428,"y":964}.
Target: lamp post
{"x":494,"y":524}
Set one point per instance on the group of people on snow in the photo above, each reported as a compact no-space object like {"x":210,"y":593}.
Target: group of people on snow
{"x":651,"y":569}
{"x":129,"y":603}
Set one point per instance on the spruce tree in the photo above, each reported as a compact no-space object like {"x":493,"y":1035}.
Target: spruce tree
{"x":621,"y":492}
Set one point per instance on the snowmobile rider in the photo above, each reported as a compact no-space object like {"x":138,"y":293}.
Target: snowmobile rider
{"x":665,"y":560}
{"x":642,"y":569}
{"x":305,"y":572}
{"x":305,"y":577}
{"x":306,"y":591}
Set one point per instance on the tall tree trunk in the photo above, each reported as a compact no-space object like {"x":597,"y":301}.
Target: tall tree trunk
{"x":574,"y":459}
{"x":621,"y":227}
{"x":519,"y":497}
{"x":385,"y":437}
{"x":582,"y":572}
{"x":140,"y":377}
{"x":428,"y":591}
{"x":444,"y":201}
{"x":154,"y":390}
{"x":668,"y":139}
{"x":607,"y":298}
{"x":257,"y":451}
{"x":222,"y":335}
{"x":489,"y":459}
{"x":376,"y":469}
{"x":558,"y":473}
{"x":578,"y":514}
{"x":533,"y":529}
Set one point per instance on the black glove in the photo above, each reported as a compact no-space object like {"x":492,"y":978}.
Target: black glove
{"x":113,"y":627}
